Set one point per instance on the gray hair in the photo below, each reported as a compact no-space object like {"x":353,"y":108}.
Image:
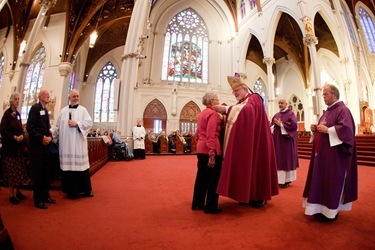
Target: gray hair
{"x":334,"y":90}
{"x":12,"y":96}
{"x":206,"y":99}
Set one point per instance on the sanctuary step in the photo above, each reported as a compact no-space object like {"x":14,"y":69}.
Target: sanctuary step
{"x":365,"y":149}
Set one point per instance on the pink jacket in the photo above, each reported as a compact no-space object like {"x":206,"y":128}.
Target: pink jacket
{"x":208,"y":133}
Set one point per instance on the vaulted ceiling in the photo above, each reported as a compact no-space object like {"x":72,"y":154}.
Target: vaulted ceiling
{"x":112,"y":17}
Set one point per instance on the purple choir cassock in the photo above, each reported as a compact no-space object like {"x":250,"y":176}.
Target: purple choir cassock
{"x":249,"y":170}
{"x":286,"y":144}
{"x":332,"y":178}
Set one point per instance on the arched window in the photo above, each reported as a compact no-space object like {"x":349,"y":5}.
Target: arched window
{"x":185,"y":56}
{"x":348,"y":23}
{"x":261,"y":90}
{"x":296,"y":105}
{"x":72,"y":84}
{"x":243,"y":8}
{"x":34,"y":80}
{"x":2,"y":61}
{"x":188,"y":117}
{"x":252,"y":4}
{"x":104,"y":95}
{"x":368,"y":28}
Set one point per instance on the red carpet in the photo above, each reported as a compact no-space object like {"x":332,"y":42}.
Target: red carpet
{"x":146,"y":205}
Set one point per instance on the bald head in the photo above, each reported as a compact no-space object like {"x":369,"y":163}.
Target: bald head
{"x":282,"y":104}
{"x":74,"y":97}
{"x":43,"y":97}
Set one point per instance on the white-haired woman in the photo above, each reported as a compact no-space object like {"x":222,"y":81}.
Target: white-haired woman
{"x":12,"y":149}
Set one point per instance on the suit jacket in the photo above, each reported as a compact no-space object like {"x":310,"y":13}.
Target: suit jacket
{"x":38,"y":126}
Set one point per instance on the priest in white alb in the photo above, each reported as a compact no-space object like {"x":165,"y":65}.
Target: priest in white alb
{"x":71,"y":131}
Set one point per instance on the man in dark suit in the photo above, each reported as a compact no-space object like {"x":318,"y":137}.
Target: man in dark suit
{"x":38,"y":128}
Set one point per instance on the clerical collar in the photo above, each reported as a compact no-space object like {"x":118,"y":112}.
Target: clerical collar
{"x":243,"y":99}
{"x":284,"y":110}
{"x":330,"y":106}
{"x":73,"y":106}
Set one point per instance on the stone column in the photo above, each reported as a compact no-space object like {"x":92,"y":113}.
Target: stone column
{"x":269,"y":61}
{"x":311,"y":41}
{"x":129,"y":67}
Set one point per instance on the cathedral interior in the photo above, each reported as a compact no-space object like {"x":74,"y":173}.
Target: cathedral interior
{"x":280,"y":48}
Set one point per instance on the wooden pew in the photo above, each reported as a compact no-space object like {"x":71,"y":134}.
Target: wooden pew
{"x":193,"y":145}
{"x":164,"y":148}
{"x":180,"y":147}
{"x":148,"y":146}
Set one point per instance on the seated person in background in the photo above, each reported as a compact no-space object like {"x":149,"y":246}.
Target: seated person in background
{"x":172,"y":142}
{"x":183,"y":141}
{"x":107,"y":138}
{"x":154,"y":141}
{"x":159,"y":139}
{"x":91,"y":133}
{"x":116,"y":138}
{"x":97,"y":133}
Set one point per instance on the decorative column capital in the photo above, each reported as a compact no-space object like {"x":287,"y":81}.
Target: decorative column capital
{"x":269,"y":60}
{"x":310,"y":40}
{"x":47,"y":3}
{"x":65,"y":68}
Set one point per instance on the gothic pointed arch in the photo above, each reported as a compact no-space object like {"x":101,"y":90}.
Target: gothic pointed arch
{"x":296,"y":105}
{"x":105,"y":94}
{"x":185,"y":56}
{"x":34,"y":80}
{"x":155,"y":116}
{"x":260,"y":88}
{"x":188,"y":117}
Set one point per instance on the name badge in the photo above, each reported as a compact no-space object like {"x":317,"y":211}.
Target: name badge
{"x":18,"y":117}
{"x":42,"y":112}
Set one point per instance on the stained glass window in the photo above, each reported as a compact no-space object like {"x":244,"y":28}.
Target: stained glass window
{"x":261,"y":90}
{"x":243,"y":8}
{"x":348,"y":23}
{"x":2,"y":61}
{"x":368,"y":28}
{"x":252,"y":4}
{"x":34,"y":80}
{"x":72,"y":78}
{"x":185,"y":56}
{"x":104,"y":95}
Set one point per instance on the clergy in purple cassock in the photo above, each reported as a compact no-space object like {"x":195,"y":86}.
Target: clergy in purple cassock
{"x":332,"y":180}
{"x":284,"y":132}
{"x":249,"y":172}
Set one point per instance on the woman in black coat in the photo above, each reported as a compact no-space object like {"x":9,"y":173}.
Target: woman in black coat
{"x":12,"y":149}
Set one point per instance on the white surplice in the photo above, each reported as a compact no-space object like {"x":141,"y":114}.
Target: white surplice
{"x":73,"y":140}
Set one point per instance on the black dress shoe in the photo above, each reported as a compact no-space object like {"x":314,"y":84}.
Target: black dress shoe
{"x":257,"y":204}
{"x":90,"y":194}
{"x":13,"y":200}
{"x":197,"y":207}
{"x":323,"y":218}
{"x":41,"y":205}
{"x":285,"y":185}
{"x":243,"y":203}
{"x":215,"y":211}
{"x":20,"y":195}
{"x":50,"y":201}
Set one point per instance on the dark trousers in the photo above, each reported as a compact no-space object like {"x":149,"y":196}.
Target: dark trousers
{"x":206,"y":183}
{"x":40,"y":176}
{"x":139,"y":154}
